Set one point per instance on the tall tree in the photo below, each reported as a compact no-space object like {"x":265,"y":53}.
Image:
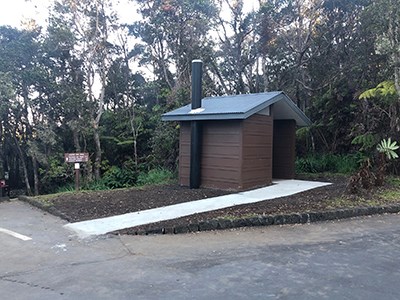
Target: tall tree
{"x":20,"y":63}
{"x":236,"y":64}
{"x":66,"y":92}
{"x":287,"y":40}
{"x":92,"y":24}
{"x":173,"y":33}
{"x":388,"y":40}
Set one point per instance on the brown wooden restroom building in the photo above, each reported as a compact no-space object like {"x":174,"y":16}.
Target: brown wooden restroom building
{"x":246,"y":139}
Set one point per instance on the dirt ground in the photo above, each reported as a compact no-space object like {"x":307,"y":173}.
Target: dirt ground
{"x":90,"y":205}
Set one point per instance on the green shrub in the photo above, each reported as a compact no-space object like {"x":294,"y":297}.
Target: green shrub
{"x":315,"y":163}
{"x":155,"y":176}
{"x":395,"y":181}
{"x":54,"y":175}
{"x":116,"y":177}
{"x":69,"y":187}
{"x":113,"y":178}
{"x":95,"y":185}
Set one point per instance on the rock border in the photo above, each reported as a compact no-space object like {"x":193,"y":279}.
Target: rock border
{"x":267,"y":220}
{"x":50,"y":209}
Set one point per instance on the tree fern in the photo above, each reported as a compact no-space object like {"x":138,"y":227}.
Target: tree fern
{"x":388,"y":148}
{"x":384,"y":89}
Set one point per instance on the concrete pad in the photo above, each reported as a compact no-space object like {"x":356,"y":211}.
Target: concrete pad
{"x":280,"y":188}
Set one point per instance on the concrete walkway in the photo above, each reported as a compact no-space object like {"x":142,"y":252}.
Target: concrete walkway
{"x":280,"y":188}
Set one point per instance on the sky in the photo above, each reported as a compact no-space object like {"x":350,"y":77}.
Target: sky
{"x":15,"y":12}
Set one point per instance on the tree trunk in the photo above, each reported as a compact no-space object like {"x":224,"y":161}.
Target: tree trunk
{"x":35,"y":176}
{"x":97,"y":160}
{"x":75,"y":135}
{"x":24,"y":168}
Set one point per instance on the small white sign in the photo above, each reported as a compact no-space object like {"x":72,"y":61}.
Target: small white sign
{"x":77,"y":166}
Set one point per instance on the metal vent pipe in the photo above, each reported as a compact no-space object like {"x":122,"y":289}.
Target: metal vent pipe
{"x":197,"y":74}
{"x":196,"y":128}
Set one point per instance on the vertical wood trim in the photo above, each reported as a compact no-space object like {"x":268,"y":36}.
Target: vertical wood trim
{"x":184,"y":153}
{"x":240,"y":181}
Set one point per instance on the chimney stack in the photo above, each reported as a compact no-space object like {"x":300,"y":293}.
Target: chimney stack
{"x":197,"y":74}
{"x":196,"y":130}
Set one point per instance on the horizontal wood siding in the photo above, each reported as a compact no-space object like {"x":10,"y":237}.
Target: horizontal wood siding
{"x":221,"y":145}
{"x":284,"y":152}
{"x":257,"y":152}
{"x":220,"y":166}
{"x":236,"y":155}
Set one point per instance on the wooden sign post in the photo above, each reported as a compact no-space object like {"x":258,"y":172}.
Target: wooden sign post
{"x":76,"y":158}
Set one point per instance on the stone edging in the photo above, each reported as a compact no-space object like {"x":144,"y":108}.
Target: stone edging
{"x":301,"y":218}
{"x":268,"y":220}
{"x":50,"y":209}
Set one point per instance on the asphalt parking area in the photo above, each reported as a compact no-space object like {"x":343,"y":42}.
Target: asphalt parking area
{"x":15,"y":234}
{"x":348,"y":259}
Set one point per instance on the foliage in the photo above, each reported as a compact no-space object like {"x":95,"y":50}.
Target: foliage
{"x":172,"y":34}
{"x":83,"y":84}
{"x":95,"y":185}
{"x":116,"y":177}
{"x":373,"y":169}
{"x":344,"y":164}
{"x":165,"y":148}
{"x":385,"y":89}
{"x":388,"y":148}
{"x":55,"y":175}
{"x":394,"y":181}
{"x":65,"y":188}
{"x":366,"y":141}
{"x":155,"y":176}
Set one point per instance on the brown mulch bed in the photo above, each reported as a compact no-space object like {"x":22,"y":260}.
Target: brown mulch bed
{"x":90,"y":205}
{"x":98,"y":204}
{"x":318,"y":199}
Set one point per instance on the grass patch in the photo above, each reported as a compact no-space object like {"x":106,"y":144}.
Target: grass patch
{"x":390,"y":195}
{"x":233,"y":217}
{"x":394,"y":181}
{"x":44,"y":200}
{"x":155,"y":177}
{"x":347,"y":202}
{"x":150,"y":178}
{"x":319,"y":163}
{"x":382,"y":196}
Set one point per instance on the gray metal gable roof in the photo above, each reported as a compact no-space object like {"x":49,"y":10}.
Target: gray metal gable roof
{"x":239,"y":107}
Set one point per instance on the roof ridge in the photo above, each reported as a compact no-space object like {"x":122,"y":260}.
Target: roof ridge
{"x":243,"y":95}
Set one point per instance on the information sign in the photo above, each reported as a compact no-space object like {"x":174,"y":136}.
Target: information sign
{"x":76,"y":157}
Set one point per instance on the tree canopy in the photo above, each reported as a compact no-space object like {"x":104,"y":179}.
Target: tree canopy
{"x":88,"y":83}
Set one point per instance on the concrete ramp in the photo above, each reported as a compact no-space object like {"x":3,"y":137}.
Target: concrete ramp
{"x":280,"y":188}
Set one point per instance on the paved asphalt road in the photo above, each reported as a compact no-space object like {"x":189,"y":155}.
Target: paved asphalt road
{"x":350,"y":259}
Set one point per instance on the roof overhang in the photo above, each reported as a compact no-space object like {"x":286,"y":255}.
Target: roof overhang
{"x":240,"y":107}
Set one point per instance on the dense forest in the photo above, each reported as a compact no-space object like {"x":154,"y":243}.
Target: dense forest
{"x":88,"y":83}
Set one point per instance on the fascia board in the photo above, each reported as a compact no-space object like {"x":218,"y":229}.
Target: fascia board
{"x":298,"y":111}
{"x":203,"y":117}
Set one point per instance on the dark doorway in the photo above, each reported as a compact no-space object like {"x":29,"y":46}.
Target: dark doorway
{"x":284,"y":154}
